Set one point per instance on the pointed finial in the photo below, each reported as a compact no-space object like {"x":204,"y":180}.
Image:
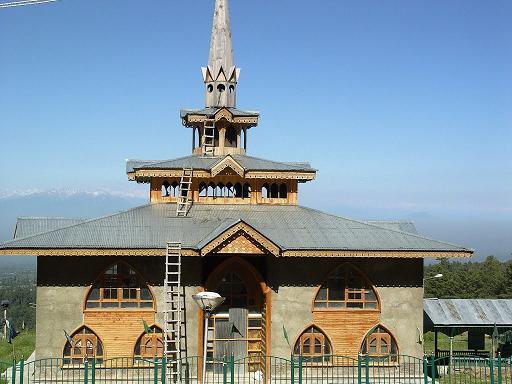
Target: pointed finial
{"x":221,"y":75}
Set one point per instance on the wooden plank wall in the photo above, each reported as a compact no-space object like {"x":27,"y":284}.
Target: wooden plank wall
{"x":118,"y":330}
{"x":346,"y":329}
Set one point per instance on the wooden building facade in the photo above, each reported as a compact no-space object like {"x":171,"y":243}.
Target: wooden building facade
{"x":336,"y":285}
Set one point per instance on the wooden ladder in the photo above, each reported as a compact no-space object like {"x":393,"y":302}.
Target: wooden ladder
{"x":209,"y":136}
{"x":173,"y":312}
{"x":184,"y":199}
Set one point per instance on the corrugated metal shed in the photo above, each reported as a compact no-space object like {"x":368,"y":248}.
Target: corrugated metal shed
{"x":458,"y":315}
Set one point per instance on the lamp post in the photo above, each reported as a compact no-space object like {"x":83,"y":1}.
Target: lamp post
{"x":208,"y":302}
{"x":438,"y":276}
{"x":4,"y":305}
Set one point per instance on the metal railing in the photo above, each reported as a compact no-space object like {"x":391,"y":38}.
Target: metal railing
{"x":364,"y":369}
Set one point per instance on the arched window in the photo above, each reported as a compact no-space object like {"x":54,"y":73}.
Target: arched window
{"x":246,"y":191}
{"x":233,"y":288}
{"x":313,"y":345}
{"x":283,"y":191}
{"x":265,"y":191}
{"x":346,"y":288}
{"x":202,"y":190}
{"x":119,"y":287}
{"x":165,"y":189}
{"x":230,"y":190}
{"x":238,"y":190}
{"x":174,"y":189}
{"x":150,"y":345}
{"x":274,"y":191}
{"x":84,"y":345}
{"x":380,"y":343}
{"x":211,"y":190}
{"x":231,"y":137}
{"x":219,"y":191}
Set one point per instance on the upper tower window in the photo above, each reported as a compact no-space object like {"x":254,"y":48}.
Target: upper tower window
{"x":231,"y":137}
{"x":119,"y":287}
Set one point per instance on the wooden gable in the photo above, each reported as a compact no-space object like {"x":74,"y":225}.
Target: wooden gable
{"x":241,"y":239}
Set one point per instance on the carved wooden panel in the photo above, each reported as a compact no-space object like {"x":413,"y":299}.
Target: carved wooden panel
{"x":241,"y":244}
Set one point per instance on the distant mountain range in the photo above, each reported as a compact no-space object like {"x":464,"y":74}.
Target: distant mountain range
{"x":487,"y":237}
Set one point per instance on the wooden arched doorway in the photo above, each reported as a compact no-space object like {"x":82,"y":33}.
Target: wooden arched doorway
{"x":241,"y":325}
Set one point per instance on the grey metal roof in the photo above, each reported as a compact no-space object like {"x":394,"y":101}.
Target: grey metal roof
{"x":213,"y":111}
{"x":467,"y":313}
{"x":404,"y":226}
{"x":249,"y":163}
{"x":289,"y":227}
{"x":28,"y":226}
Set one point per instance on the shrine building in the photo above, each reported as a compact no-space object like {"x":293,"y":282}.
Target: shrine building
{"x":338,"y":286}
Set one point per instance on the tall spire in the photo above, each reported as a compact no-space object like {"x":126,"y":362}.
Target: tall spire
{"x":221,"y":75}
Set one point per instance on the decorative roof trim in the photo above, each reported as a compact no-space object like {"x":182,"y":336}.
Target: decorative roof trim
{"x":91,"y":252}
{"x":227,"y":162}
{"x":403,"y":254}
{"x":222,"y":114}
{"x":233,"y":232}
{"x":284,"y":175}
{"x":225,"y":237}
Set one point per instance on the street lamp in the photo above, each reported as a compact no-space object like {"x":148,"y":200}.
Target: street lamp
{"x":4,"y":305}
{"x":208,"y":302}
{"x":439,"y":275}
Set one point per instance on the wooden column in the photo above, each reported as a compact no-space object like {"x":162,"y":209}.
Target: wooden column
{"x":222,"y":139}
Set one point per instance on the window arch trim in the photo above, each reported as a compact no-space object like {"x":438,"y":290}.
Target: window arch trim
{"x":321,"y":331}
{"x":160,"y":332}
{"x":364,"y":278}
{"x":140,"y":278}
{"x":392,"y":340}
{"x":75,"y":332}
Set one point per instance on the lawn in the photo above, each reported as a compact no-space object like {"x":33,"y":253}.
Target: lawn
{"x":460,"y":342}
{"x":24,"y":344}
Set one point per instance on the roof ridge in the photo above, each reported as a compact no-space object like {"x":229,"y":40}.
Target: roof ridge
{"x":51,"y":218}
{"x":389,"y":229}
{"x":74,"y":225}
{"x":274,"y":161}
{"x":154,"y":162}
{"x":391,"y":221}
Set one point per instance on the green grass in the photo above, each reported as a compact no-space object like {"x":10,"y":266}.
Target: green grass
{"x":460,"y":342}
{"x":24,"y":344}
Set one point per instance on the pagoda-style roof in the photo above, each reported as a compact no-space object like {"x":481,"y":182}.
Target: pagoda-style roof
{"x":247,"y":166}
{"x":279,"y":230}
{"x":196,"y":117}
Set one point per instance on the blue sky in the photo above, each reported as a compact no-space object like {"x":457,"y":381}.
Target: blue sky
{"x":405,"y":107}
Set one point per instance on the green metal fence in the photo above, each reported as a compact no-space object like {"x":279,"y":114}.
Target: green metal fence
{"x":394,"y":369}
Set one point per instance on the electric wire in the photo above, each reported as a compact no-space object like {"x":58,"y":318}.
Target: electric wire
{"x":24,"y":2}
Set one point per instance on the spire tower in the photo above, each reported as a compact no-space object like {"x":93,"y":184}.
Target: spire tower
{"x":221,"y":75}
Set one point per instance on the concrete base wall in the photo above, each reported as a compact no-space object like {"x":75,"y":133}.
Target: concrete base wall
{"x":57,"y":308}
{"x":398,"y":283}
{"x":63,"y":283}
